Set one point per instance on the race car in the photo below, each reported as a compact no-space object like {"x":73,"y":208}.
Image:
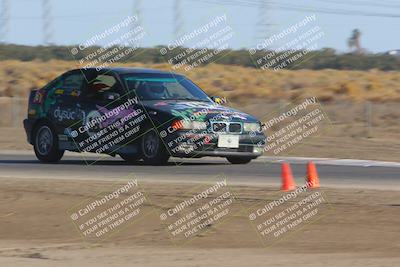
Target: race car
{"x":139,"y":114}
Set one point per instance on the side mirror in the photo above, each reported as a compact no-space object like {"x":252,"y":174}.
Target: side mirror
{"x":218,"y":100}
{"x":110,"y":96}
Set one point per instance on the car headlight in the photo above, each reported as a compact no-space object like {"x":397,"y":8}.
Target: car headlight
{"x":189,"y":125}
{"x":252,"y":127}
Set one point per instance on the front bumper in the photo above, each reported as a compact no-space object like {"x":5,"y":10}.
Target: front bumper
{"x":216,"y":153}
{"x":193,"y":145}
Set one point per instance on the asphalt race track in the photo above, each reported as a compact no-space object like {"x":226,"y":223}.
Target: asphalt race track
{"x":263,"y":171}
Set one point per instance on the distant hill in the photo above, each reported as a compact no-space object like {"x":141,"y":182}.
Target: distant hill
{"x":315,"y":60}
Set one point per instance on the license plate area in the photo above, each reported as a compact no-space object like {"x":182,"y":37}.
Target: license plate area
{"x":228,"y":141}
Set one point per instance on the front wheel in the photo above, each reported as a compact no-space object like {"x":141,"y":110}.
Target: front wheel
{"x":153,"y":150}
{"x":239,"y":160}
{"x":45,"y":144}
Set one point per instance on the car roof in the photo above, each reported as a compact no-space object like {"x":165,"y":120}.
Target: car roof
{"x":126,"y":70}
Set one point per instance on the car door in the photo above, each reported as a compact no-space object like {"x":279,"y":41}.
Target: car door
{"x":102,"y":93}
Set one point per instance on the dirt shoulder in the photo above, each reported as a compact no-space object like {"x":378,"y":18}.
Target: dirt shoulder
{"x":352,"y":228}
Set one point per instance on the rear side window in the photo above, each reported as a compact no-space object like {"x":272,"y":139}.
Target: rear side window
{"x":73,"y":81}
{"x":67,"y":85}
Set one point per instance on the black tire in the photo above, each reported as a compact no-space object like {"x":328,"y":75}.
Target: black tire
{"x":153,"y":149}
{"x":45,"y":143}
{"x":239,"y":160}
{"x":131,"y":158}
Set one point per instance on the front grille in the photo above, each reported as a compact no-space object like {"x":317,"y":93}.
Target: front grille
{"x":226,"y":127}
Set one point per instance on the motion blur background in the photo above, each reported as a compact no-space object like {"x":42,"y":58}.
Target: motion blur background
{"x":354,"y":71}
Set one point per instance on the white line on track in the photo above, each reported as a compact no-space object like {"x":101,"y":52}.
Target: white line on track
{"x":294,"y":160}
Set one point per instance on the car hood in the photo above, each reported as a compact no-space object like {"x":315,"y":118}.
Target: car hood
{"x":196,"y":110}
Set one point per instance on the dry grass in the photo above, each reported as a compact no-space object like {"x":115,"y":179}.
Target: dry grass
{"x":257,"y":92}
{"x":17,"y":78}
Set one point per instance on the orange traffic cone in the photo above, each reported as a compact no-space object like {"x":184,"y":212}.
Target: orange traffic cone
{"x":312,"y":175}
{"x":287,"y":178}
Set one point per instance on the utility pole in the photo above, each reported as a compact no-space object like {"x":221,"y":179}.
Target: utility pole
{"x":264,"y":22}
{"x":178,"y":19}
{"x":47,"y":22}
{"x":137,"y":11}
{"x":4,"y":20}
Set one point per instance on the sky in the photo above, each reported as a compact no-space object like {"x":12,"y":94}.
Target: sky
{"x":75,"y":21}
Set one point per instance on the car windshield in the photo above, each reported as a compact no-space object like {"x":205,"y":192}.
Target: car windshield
{"x":163,"y":87}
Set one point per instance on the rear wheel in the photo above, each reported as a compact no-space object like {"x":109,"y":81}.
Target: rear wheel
{"x":239,"y":160}
{"x":46,"y":144}
{"x":153,"y":150}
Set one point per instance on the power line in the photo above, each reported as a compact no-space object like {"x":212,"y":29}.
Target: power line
{"x":72,"y":16}
{"x":294,"y":7}
{"x":362,"y":3}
